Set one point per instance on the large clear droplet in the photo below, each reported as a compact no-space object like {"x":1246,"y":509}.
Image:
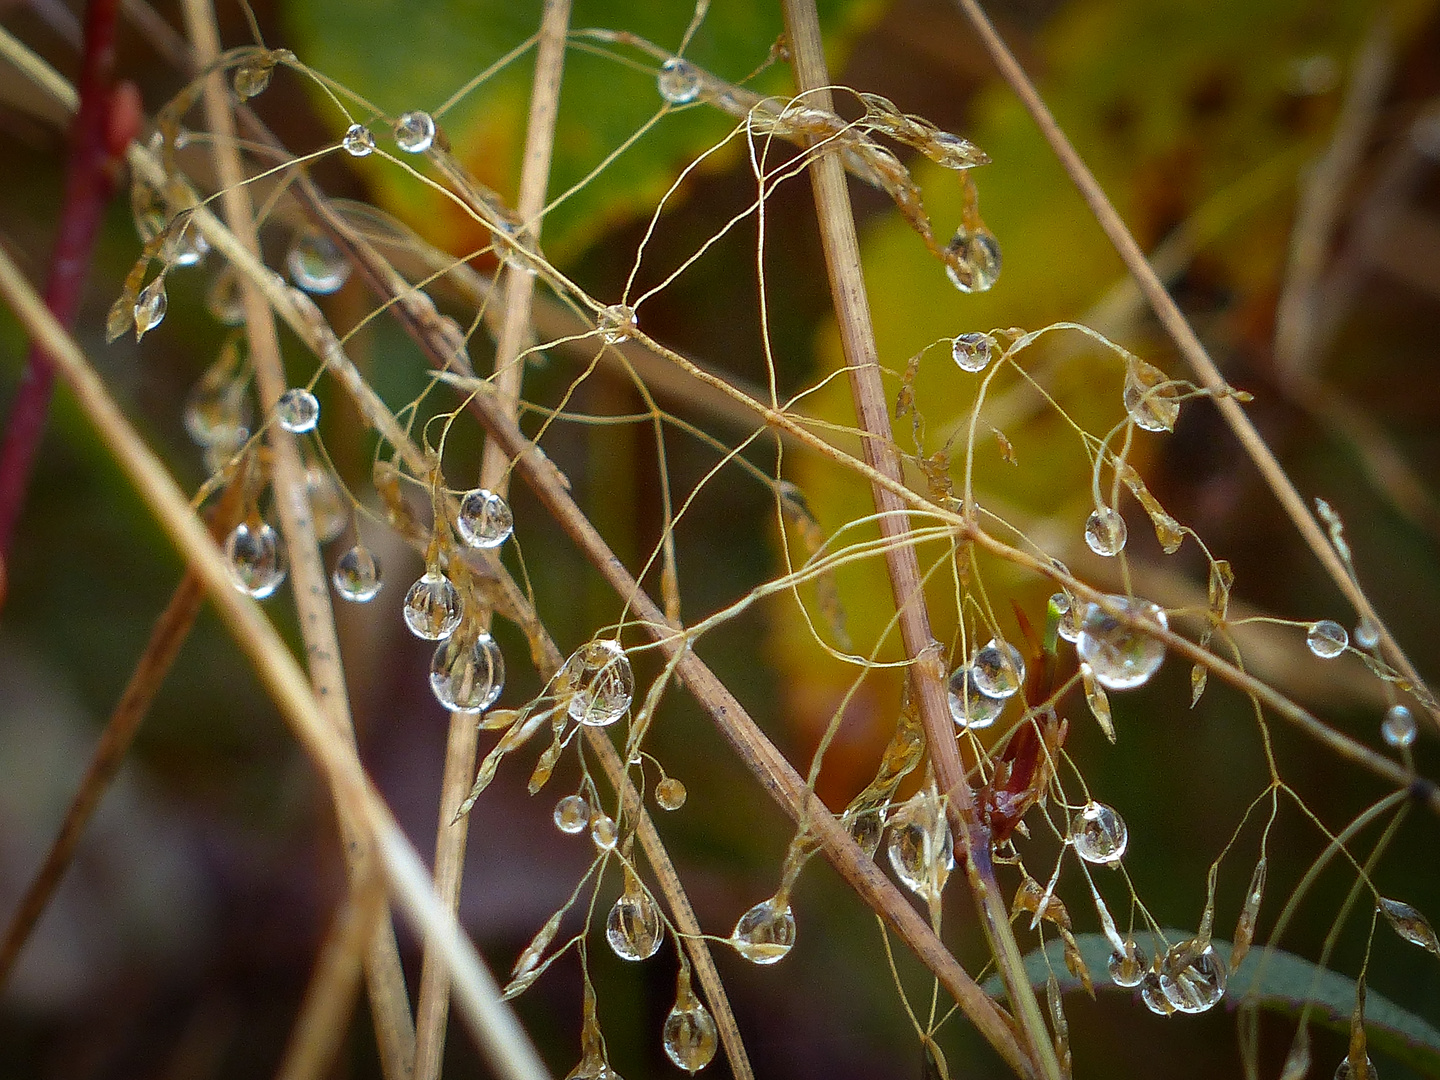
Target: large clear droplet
{"x":1105,"y":532}
{"x":358,"y":141}
{"x":150,"y":307}
{"x":604,"y":833}
{"x":998,"y":669}
{"x":689,"y":1034}
{"x":1099,"y":834}
{"x":316,"y":263}
{"x":972,"y":352}
{"x":432,"y":607}
{"x":670,"y":794}
{"x":297,"y":411}
{"x":256,"y":558}
{"x":1367,"y":634}
{"x":633,"y":928}
{"x":329,"y":509}
{"x":1120,"y":656}
{"x":921,"y":849}
{"x":1344,"y":1072}
{"x":251,"y":78}
{"x":969,"y":708}
{"x":467,"y":672}
{"x":972,"y":259}
{"x":1327,"y":639}
{"x":1398,"y":727}
{"x":1191,"y":978}
{"x":765,"y":933}
{"x":599,"y":682}
{"x":415,"y":132}
{"x":616,"y":323}
{"x":484,"y":519}
{"x":572,"y":814}
{"x":1410,"y":924}
{"x":357,"y":575}
{"x":678,"y":81}
{"x":1128,"y":968}
{"x":1150,"y":398}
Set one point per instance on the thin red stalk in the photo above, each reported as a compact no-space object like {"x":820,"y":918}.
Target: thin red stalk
{"x":103,"y":125}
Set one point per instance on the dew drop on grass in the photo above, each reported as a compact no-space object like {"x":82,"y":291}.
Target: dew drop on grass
{"x":297,"y":411}
{"x":150,"y":307}
{"x":604,"y":832}
{"x":256,"y":559}
{"x":998,"y":669}
{"x":467,"y":672}
{"x":357,"y":575}
{"x":971,"y":352}
{"x":1105,"y":532}
{"x":1327,"y":639}
{"x":484,"y":519}
{"x":572,"y":814}
{"x":1367,"y":636}
{"x":765,"y":933}
{"x":1128,"y":967}
{"x":1150,"y":399}
{"x":328,"y":507}
{"x":921,"y":849}
{"x":1067,"y":624}
{"x":972,"y":259}
{"x":252,"y":76}
{"x":1409,"y":924}
{"x":670,"y":794}
{"x":1191,"y":978}
{"x":678,"y":81}
{"x":633,"y":928}
{"x":969,"y":707}
{"x":1099,"y":834}
{"x":1398,"y":727}
{"x":1153,"y":997}
{"x":358,"y":141}
{"x":1120,"y":656}
{"x":689,"y":1034}
{"x":316,"y":263}
{"x":616,"y":322}
{"x":415,"y":132}
{"x":185,"y":245}
{"x":432,"y":607}
{"x":599,"y":682}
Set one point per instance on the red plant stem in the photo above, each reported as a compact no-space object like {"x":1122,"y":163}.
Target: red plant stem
{"x":97,"y":141}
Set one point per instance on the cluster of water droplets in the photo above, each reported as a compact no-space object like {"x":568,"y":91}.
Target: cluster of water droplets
{"x":597,"y":683}
{"x":979,"y":689}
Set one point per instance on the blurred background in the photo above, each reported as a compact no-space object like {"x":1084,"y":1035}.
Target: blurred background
{"x":183,"y":936}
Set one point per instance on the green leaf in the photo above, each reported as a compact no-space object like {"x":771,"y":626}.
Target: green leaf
{"x":1274,"y":980}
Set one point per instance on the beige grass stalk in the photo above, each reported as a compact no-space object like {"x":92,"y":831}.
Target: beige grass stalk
{"x":503,"y":1041}
{"x":389,"y":1000}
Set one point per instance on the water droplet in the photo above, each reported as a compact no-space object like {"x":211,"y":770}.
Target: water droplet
{"x":1398,"y":727}
{"x":1150,"y":398}
{"x":678,"y":82}
{"x":415,"y":132}
{"x":970,"y":708}
{"x":316,"y":263}
{"x":217,"y":409}
{"x":599,"y":682}
{"x":256,"y":558}
{"x":765,"y":933}
{"x":670,"y":794}
{"x":921,"y":849}
{"x":484,"y":520}
{"x":432,"y":607}
{"x":329,"y":509}
{"x":1128,"y":968}
{"x":689,"y":1034}
{"x":998,"y":669}
{"x":1120,"y":656}
{"x":297,"y":411}
{"x":972,"y":352}
{"x":952,"y":152}
{"x":1099,"y":834}
{"x":866,"y":828}
{"x":1367,"y":634}
{"x":150,"y":307}
{"x":467,"y":673}
{"x":604,"y":832}
{"x":185,"y":245}
{"x":357,"y":575}
{"x":1105,"y":532}
{"x":1153,"y":997}
{"x":358,"y":141}
{"x":1344,"y":1072}
{"x":616,"y":322}
{"x":972,"y":259}
{"x":1067,"y":624}
{"x":572,"y":814}
{"x":634,"y":929}
{"x":252,"y":75}
{"x":1410,"y":924}
{"x":1327,"y":639}
{"x":1191,"y":978}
